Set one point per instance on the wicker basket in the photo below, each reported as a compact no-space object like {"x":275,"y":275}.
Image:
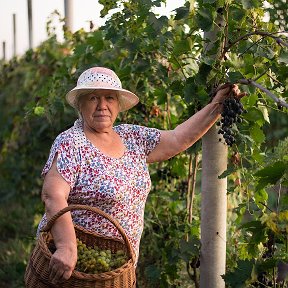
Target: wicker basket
{"x":37,"y":273}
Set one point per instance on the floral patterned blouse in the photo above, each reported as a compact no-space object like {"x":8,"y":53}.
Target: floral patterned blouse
{"x":117,"y":186}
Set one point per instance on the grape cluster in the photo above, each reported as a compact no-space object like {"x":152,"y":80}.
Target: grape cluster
{"x":95,"y":260}
{"x":232,"y":109}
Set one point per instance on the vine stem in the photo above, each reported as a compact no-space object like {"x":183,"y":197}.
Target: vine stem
{"x":189,"y":191}
{"x":266,"y":206}
{"x":278,"y":199}
{"x":193,"y":184}
{"x":268,"y":92}
{"x":263,"y":33}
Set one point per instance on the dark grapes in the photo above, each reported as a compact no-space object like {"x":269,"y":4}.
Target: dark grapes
{"x":232,"y":109}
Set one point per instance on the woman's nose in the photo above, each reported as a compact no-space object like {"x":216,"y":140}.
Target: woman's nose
{"x":102,"y":103}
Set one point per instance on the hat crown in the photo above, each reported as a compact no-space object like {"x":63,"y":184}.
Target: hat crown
{"x":99,"y":76}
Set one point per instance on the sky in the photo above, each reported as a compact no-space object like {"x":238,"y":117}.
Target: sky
{"x":83,"y":12}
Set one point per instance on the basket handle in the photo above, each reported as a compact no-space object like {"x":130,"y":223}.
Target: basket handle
{"x":51,"y":221}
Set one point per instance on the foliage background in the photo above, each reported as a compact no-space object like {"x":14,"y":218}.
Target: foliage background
{"x":165,"y":62}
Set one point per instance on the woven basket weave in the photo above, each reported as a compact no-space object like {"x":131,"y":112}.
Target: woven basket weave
{"x":37,"y":273}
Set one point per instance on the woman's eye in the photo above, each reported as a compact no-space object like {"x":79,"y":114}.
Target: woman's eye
{"x":110,"y":97}
{"x":93,"y":98}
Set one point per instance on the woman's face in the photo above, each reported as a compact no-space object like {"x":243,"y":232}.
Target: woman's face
{"x":99,"y":109}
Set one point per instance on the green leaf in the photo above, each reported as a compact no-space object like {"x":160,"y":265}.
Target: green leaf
{"x":227,"y":172}
{"x":201,"y":77}
{"x":254,"y":115}
{"x":237,"y":14}
{"x":181,"y":12}
{"x":272,"y":173}
{"x":260,"y":196}
{"x":161,"y":95}
{"x":248,"y":4}
{"x":240,"y":275}
{"x":257,"y":134}
{"x":190,"y":91}
{"x":204,"y":19}
{"x":181,"y":47}
{"x":96,"y":40}
{"x":153,"y":273}
{"x":157,"y":23}
{"x":264,"y":111}
{"x":235,"y":76}
{"x":265,"y":52}
{"x":283,"y":57}
{"x":178,"y":165}
{"x":209,"y":1}
{"x":252,"y":99}
{"x":189,"y":249}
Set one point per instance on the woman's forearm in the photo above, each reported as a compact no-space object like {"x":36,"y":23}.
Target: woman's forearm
{"x":196,"y":126}
{"x":63,"y":229}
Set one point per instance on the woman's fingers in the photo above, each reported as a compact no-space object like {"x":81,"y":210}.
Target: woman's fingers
{"x":237,"y":92}
{"x":59,"y":275}
{"x":59,"y":272}
{"x":225,"y":90}
{"x":66,"y":275}
{"x":56,"y":275}
{"x":240,"y":95}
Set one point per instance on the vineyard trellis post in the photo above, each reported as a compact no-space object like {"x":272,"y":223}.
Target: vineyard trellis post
{"x":213,"y":200}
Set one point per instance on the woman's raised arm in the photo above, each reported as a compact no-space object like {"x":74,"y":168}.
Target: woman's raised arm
{"x":187,"y":133}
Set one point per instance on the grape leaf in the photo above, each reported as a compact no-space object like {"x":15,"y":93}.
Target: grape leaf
{"x":240,"y":275}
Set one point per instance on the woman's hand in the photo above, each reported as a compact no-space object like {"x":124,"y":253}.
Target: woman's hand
{"x":225,"y":91}
{"x":62,"y":264}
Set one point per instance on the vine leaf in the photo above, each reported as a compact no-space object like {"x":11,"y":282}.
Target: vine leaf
{"x":204,"y":19}
{"x":242,"y":273}
{"x":257,"y":134}
{"x":234,"y":76}
{"x":181,"y":12}
{"x":270,"y":174}
{"x":283,"y":57}
{"x":227,"y":172}
{"x":248,"y":4}
{"x":209,"y":1}
{"x":189,"y":249}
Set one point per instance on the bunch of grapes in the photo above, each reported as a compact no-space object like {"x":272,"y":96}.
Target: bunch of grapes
{"x":232,"y":109}
{"x":94,"y":260}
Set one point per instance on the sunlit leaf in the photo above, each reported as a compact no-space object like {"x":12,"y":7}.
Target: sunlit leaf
{"x":257,"y":134}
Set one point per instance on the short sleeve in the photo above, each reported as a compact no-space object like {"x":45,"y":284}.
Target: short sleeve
{"x":150,"y":138}
{"x":65,"y":152}
{"x":143,"y":139}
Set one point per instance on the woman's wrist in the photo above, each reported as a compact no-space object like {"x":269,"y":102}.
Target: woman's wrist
{"x":217,"y":107}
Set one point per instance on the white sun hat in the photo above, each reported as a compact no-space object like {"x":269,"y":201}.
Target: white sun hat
{"x":101,"y":78}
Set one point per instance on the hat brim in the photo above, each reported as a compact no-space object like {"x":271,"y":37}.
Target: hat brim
{"x":127,"y":99}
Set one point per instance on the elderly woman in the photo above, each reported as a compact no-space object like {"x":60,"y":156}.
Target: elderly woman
{"x":98,"y":164}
